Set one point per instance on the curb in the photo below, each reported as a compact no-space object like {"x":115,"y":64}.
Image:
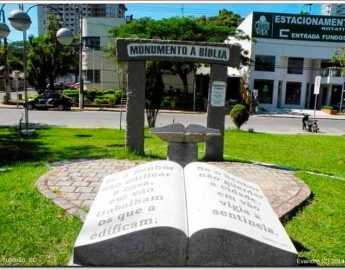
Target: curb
{"x":299,"y":116}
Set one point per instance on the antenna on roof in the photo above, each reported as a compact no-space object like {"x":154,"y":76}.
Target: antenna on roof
{"x":309,"y":7}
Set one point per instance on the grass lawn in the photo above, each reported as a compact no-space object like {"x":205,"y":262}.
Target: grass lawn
{"x":33,"y":231}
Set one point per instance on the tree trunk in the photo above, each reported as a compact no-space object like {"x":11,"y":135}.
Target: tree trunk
{"x":183,"y":77}
{"x":151,"y":114}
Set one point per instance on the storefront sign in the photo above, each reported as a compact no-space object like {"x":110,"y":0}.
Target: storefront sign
{"x":218,"y":90}
{"x":317,"y":85}
{"x":298,"y":27}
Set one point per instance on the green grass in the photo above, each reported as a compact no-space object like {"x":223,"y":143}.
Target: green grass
{"x":324,"y":154}
{"x":33,"y":231}
{"x":55,"y":144}
{"x":319,"y":228}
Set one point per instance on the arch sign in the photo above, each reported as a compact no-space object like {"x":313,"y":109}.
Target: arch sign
{"x":137,"y":51}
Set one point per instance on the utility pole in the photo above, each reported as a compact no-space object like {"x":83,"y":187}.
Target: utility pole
{"x":81,"y":81}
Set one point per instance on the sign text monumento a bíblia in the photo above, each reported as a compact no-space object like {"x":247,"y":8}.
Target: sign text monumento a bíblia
{"x":174,"y":50}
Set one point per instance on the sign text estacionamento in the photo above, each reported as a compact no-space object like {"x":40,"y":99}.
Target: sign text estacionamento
{"x":301,"y":27}
{"x":178,"y":51}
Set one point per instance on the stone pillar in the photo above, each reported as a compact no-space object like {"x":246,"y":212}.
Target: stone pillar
{"x":214,"y":148}
{"x":135,"y":107}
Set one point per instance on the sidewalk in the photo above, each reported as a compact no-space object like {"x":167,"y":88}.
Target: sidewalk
{"x":73,"y":185}
{"x":298,"y":113}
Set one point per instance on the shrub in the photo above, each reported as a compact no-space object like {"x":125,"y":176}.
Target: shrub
{"x":327,"y":107}
{"x":343,"y":111}
{"x":104,"y":96}
{"x":117,"y":96}
{"x":239,"y":115}
{"x":100,"y":101}
{"x":74,"y":94}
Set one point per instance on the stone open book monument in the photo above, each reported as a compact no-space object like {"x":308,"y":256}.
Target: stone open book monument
{"x":160,"y":214}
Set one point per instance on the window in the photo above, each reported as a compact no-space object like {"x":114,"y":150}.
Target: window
{"x":264,"y":62}
{"x":293,"y":93}
{"x":265,"y":88}
{"x":92,"y":76}
{"x":295,"y":65}
{"x":91,"y":42}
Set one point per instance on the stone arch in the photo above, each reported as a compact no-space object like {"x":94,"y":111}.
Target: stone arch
{"x":218,"y":55}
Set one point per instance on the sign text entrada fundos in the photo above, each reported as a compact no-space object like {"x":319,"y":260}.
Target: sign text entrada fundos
{"x":174,"y":50}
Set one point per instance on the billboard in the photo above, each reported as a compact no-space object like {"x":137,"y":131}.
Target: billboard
{"x":298,"y":27}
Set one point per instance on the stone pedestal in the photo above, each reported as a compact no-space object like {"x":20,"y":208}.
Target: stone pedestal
{"x":183,"y":141}
{"x":183,"y":153}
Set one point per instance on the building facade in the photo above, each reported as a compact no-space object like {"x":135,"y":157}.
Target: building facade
{"x":99,"y":70}
{"x":70,"y":14}
{"x":288,"y":51}
{"x":333,"y":9}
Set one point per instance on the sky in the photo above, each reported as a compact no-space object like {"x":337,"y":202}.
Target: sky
{"x":167,"y":10}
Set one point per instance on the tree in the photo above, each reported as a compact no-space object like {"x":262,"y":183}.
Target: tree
{"x":46,"y":58}
{"x":225,"y":18}
{"x":15,"y":56}
{"x":177,"y":28}
{"x":339,"y":58}
{"x":154,"y":87}
{"x":213,"y":29}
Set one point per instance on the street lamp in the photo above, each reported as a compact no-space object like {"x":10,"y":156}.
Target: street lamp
{"x":65,"y":37}
{"x":4,"y":32}
{"x":21,"y":21}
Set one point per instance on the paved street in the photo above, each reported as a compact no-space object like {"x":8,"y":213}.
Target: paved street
{"x":111,"y":119}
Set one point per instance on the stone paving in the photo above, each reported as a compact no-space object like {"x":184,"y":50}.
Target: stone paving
{"x":73,"y":185}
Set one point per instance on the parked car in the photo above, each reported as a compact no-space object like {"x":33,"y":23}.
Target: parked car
{"x":50,"y":100}
{"x":62,"y":86}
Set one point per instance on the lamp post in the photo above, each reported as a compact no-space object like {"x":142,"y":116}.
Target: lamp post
{"x":65,"y":37}
{"x":4,"y":32}
{"x":21,"y":21}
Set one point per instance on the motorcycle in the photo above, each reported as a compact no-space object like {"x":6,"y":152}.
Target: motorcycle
{"x":310,"y":125}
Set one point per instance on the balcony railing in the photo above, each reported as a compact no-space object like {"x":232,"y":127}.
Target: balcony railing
{"x":331,"y":72}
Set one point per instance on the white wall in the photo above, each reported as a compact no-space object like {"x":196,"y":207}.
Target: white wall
{"x":97,"y":59}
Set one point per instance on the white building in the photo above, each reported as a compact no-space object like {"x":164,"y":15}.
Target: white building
{"x":333,"y":9}
{"x":288,"y":52}
{"x":70,"y":14}
{"x":99,"y":70}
